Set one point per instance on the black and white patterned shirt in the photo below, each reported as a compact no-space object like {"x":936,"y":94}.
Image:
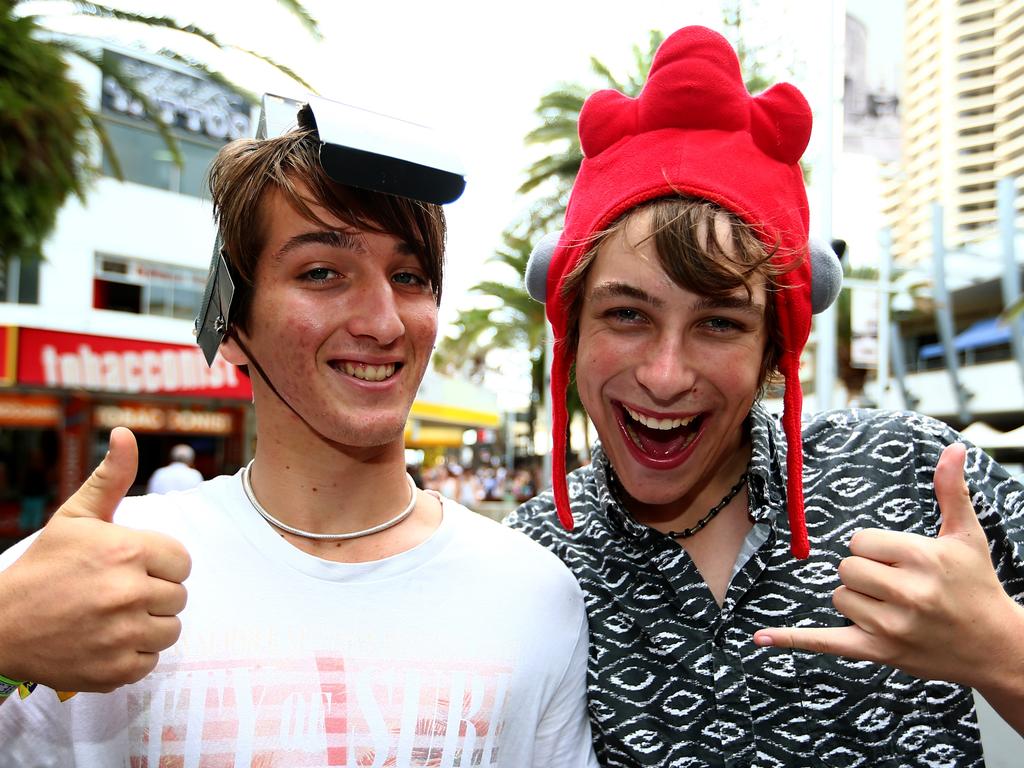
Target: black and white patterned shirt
{"x":676,"y":680}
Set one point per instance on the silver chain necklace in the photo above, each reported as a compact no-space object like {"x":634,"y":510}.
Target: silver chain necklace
{"x":247,"y":487}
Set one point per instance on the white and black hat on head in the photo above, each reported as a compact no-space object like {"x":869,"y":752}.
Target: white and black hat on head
{"x":358,"y":148}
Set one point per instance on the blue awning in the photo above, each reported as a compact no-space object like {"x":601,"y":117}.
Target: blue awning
{"x":984,"y":333}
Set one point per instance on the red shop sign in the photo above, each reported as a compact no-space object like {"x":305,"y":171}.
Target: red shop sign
{"x":105,"y":364}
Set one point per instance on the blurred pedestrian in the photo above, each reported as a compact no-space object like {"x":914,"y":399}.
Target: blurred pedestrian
{"x":179,"y":475}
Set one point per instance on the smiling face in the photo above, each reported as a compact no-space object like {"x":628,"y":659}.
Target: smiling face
{"x":342,"y":321}
{"x":667,"y":375}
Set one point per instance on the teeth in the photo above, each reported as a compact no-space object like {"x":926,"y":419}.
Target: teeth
{"x":652,"y":423}
{"x":370,"y":372}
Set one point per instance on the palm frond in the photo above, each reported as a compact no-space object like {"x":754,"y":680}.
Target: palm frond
{"x":278,"y":66}
{"x":96,"y":10}
{"x":601,"y":70}
{"x":298,"y":10}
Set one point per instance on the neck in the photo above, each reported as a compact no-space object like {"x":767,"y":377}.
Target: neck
{"x":697,"y":501}
{"x":309,"y":482}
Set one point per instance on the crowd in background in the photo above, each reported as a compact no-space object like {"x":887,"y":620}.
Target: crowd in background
{"x":475,"y":487}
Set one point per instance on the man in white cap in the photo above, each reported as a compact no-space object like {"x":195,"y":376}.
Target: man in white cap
{"x":179,"y":475}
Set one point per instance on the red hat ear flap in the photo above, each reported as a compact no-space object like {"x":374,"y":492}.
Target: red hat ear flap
{"x":780,"y":122}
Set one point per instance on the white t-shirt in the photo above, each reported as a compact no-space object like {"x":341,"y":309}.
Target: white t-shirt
{"x":467,"y":650}
{"x":176,"y":476}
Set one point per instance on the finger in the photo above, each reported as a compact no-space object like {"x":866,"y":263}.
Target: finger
{"x":161,"y":633}
{"x":866,"y":612}
{"x":889,"y":547}
{"x":880,"y":581}
{"x":852,"y":642}
{"x":166,"y":558}
{"x":166,"y":598}
{"x":107,"y":485}
{"x":958,"y":515}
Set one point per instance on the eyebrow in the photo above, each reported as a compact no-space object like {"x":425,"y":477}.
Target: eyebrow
{"x":334,"y":238}
{"x":740,"y":303}
{"x":614,"y":290}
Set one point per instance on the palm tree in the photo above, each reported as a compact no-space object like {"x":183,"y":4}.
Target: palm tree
{"x":45,"y":121}
{"x":559,"y":113}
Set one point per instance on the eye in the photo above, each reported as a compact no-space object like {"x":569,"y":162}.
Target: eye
{"x":722,"y":324}
{"x":626,"y":315}
{"x":319,"y":274}
{"x":411,"y":279}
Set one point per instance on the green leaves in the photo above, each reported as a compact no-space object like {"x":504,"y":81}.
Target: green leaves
{"x":46,"y":122}
{"x":43,"y":118}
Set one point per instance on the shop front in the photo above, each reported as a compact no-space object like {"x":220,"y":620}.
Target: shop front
{"x":61,"y":394}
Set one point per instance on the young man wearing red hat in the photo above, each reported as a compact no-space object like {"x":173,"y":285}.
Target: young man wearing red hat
{"x":682,"y":281}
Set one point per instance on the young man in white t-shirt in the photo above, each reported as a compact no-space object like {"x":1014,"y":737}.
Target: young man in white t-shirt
{"x":336,"y":615}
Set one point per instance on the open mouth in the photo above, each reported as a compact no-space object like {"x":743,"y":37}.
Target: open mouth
{"x":365,"y":372}
{"x":660,"y":439}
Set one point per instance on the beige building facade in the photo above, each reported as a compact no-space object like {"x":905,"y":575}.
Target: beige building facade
{"x":963,"y":122}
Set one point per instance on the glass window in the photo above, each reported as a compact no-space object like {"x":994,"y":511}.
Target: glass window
{"x":146,"y":287}
{"x":19,"y":281}
{"x":145,"y":159}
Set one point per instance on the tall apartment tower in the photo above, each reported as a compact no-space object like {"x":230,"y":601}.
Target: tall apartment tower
{"x":963,"y":121}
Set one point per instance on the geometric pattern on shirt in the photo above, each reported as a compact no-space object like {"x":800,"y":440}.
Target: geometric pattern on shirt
{"x":674,"y":680}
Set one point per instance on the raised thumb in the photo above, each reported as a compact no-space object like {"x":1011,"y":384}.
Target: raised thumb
{"x":107,"y":485}
{"x":958,"y":515}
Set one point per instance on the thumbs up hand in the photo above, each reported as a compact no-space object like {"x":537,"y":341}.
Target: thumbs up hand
{"x":89,"y":605}
{"x":934,"y":608}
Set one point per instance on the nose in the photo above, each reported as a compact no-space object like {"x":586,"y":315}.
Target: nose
{"x":374,"y":311}
{"x":667,"y":369}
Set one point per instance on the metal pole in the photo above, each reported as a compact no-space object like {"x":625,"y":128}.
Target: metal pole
{"x":825,"y":323}
{"x":944,"y":313}
{"x":899,"y":365}
{"x":884,"y":296}
{"x":1007,"y":194}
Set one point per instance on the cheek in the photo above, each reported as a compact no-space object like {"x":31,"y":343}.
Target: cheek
{"x":422,"y":323}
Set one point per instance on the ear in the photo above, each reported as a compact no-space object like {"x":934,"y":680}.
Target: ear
{"x":231,"y":351}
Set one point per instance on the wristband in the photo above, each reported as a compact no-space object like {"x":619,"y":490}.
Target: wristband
{"x":8,"y":686}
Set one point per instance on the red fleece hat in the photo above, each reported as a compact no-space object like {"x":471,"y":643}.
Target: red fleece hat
{"x":695,"y":131}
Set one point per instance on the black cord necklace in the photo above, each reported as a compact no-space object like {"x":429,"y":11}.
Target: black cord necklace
{"x":688,"y":532}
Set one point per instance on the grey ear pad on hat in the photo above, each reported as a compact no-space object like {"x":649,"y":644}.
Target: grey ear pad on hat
{"x":826,"y":275}
{"x":536,"y":277}
{"x":826,"y":271}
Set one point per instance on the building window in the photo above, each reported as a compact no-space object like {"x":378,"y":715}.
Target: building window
{"x":147,"y":288}
{"x":19,"y":281}
{"x":202,"y":116}
{"x":145,"y":159}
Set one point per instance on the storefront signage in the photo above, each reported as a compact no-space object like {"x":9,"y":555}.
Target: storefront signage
{"x":148,"y":418}
{"x":29,"y":411}
{"x":185,"y":102}
{"x":105,"y":364}
{"x":8,"y":354}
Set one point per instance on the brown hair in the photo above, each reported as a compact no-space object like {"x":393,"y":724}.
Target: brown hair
{"x":687,"y":242}
{"x":244,"y":171}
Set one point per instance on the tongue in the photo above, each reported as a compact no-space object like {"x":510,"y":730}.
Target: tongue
{"x":659,"y":443}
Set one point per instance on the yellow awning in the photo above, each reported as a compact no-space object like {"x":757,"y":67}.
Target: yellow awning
{"x":450,"y":414}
